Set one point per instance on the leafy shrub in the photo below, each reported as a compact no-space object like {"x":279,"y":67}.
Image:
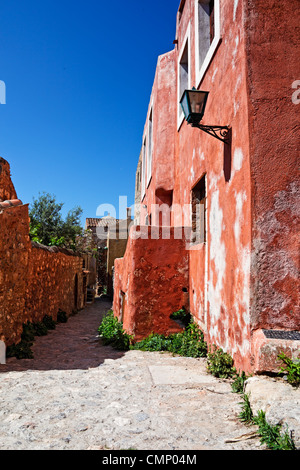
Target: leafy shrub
{"x":153,"y":342}
{"x":189,"y":343}
{"x":21,"y":350}
{"x":220,"y":364}
{"x":62,"y":317}
{"x":111,"y":332}
{"x":40,"y":329}
{"x":292,"y":368}
{"x":48,"y":322}
{"x":28,"y":332}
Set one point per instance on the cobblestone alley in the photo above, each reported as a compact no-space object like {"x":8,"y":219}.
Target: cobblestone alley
{"x":78,"y":394}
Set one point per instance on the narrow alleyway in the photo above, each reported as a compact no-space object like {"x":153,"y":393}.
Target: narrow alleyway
{"x":79,"y":394}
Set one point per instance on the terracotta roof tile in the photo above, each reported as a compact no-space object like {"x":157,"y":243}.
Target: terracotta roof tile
{"x":101,"y":222}
{"x":10,"y":203}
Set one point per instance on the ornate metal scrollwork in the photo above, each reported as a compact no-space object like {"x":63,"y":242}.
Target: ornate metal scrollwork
{"x":219,"y":132}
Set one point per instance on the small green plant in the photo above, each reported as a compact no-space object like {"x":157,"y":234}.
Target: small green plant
{"x":111,"y":332}
{"x":220,"y":364}
{"x":271,"y":435}
{"x":246,"y":414}
{"x":49,"y":322}
{"x":62,"y":317}
{"x":153,"y":342}
{"x":239,"y":382}
{"x":188,"y":343}
{"x":291,"y":368}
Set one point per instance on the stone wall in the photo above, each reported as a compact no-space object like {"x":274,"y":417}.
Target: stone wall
{"x":14,"y":261}
{"x":34,"y":280}
{"x":55,"y":282}
{"x":7,"y":190}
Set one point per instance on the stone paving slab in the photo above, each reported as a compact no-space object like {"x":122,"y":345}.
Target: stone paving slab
{"x":176,"y":375}
{"x":77,"y":394}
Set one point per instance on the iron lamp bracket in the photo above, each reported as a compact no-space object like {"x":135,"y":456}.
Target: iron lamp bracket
{"x":219,"y":132}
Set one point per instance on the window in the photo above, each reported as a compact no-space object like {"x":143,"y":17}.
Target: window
{"x":143,"y":186}
{"x":184,"y":70}
{"x":207,"y":34}
{"x":150,"y":146}
{"x":184,"y":75}
{"x":199,"y":212}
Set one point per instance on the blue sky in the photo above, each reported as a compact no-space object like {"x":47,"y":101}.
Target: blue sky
{"x":78,"y":79}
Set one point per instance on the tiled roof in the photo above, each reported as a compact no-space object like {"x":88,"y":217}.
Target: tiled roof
{"x":10,"y":203}
{"x":101,"y":222}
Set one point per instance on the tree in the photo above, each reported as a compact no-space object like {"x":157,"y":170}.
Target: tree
{"x":47,"y":225}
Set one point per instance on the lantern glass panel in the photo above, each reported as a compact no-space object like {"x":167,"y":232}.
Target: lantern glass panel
{"x":197,"y":102}
{"x":185,"y":105}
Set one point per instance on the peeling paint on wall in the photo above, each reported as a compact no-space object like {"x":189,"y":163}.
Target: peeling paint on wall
{"x":217,"y":255}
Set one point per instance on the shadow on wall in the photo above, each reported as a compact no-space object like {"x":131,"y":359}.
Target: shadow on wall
{"x":227,"y":157}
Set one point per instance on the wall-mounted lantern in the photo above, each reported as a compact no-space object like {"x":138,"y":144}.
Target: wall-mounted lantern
{"x":193,"y":103}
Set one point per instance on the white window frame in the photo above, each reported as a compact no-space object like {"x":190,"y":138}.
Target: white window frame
{"x":187,"y":40}
{"x":144,"y":162}
{"x":200,"y":70}
{"x":150,"y":145}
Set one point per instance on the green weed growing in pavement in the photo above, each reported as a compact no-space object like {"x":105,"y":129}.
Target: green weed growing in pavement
{"x":271,"y":434}
{"x":246,"y":415}
{"x":291,"y":368}
{"x":238,"y":383}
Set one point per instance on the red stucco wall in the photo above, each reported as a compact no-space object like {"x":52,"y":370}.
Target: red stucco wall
{"x":272,"y":49}
{"x":245,"y":277}
{"x":220,"y":269}
{"x":151,"y":277}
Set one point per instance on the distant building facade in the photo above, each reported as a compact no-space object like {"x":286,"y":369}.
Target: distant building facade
{"x":110,"y":236}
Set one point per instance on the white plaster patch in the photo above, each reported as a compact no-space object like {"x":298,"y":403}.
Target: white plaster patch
{"x":235,"y":50}
{"x":236,"y":2}
{"x":237,"y":163}
{"x":192,"y":176}
{"x":236,"y":104}
{"x":217,"y":256}
{"x":214,"y":75}
{"x":242,"y":275}
{"x":240,"y":198}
